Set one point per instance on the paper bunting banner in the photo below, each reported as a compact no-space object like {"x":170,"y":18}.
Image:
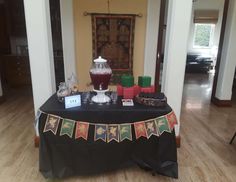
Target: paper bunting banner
{"x":140,"y":130}
{"x":51,"y":124}
{"x":100,"y":132}
{"x":151,"y":128}
{"x":109,"y":132}
{"x":125,"y":132}
{"x":67,"y":127}
{"x":171,"y":119}
{"x":162,"y":125}
{"x":112,"y":133}
{"x":82,"y":129}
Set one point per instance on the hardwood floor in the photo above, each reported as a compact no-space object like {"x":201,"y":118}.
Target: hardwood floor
{"x":205,"y":153}
{"x":206,"y":131}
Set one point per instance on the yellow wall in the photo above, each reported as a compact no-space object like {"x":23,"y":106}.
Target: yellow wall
{"x":83,"y":33}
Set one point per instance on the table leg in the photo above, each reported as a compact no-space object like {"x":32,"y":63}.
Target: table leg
{"x":231,"y":141}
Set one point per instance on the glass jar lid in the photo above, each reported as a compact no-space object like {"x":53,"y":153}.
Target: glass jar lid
{"x":100,"y":60}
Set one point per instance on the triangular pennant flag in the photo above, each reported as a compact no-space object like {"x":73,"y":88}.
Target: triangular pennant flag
{"x":151,"y":128}
{"x":125,"y":132}
{"x":100,"y":132}
{"x":81,"y":130}
{"x":112,"y":133}
{"x":171,"y":117}
{"x":67,"y":127}
{"x":51,"y":124}
{"x":162,"y":125}
{"x":140,"y":129}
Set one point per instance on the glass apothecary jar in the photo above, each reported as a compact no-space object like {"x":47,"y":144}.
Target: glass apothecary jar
{"x":63,"y":91}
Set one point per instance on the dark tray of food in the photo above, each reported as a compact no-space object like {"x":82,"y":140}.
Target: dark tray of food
{"x":151,"y":99}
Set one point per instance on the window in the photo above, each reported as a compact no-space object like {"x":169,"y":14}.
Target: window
{"x":203,"y":35}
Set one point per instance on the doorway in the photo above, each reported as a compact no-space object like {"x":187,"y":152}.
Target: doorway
{"x":14,"y":58}
{"x":206,"y":37}
{"x":203,"y":45}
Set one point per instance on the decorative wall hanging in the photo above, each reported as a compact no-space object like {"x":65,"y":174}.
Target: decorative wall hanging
{"x":113,"y":39}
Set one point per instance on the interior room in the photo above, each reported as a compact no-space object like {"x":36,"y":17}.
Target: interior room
{"x":203,"y":43}
{"x":117,"y":90}
{"x":204,"y":33}
{"x":15,"y":65}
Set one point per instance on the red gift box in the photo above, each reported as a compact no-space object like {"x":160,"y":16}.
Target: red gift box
{"x":136,"y":90}
{"x":153,"y":88}
{"x":146,"y":89}
{"x":128,"y":92}
{"x":119,"y":90}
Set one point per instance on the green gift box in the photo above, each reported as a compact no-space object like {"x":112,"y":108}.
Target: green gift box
{"x":127,"y":81}
{"x":144,"y":81}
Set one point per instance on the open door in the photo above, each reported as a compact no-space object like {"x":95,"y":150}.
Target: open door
{"x":160,"y":43}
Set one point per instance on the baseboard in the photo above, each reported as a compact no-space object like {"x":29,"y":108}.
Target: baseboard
{"x":178,"y":139}
{"x":221,"y":103}
{"x":36,"y":141}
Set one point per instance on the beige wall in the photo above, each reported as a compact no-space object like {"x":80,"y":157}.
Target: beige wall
{"x":83,"y":33}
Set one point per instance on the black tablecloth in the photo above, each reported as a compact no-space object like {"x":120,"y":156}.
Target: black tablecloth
{"x":61,"y":156}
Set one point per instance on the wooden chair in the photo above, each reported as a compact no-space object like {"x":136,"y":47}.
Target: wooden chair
{"x":231,"y":141}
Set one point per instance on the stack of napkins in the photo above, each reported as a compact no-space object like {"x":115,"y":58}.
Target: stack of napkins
{"x":127,"y":102}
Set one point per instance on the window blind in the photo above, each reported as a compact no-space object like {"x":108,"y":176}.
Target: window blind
{"x":206,"y":16}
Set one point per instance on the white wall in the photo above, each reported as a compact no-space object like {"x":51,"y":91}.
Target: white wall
{"x":206,"y":5}
{"x":68,"y":37}
{"x":152,"y":27}
{"x":38,"y":26}
{"x":178,"y":24}
{"x":228,"y":61}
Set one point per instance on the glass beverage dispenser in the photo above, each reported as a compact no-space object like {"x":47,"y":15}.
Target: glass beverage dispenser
{"x":100,"y":73}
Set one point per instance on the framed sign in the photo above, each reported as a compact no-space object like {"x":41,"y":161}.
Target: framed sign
{"x":72,"y":101}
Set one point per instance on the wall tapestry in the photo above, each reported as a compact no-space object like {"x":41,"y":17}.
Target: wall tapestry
{"x":113,"y":39}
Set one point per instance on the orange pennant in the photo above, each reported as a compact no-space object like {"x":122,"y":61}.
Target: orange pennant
{"x":82,"y":130}
{"x":172,"y":120}
{"x":140,"y":129}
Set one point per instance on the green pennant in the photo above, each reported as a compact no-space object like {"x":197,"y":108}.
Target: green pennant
{"x":151,"y":128}
{"x":125,"y":132}
{"x":67,"y":127}
{"x":162,"y":125}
